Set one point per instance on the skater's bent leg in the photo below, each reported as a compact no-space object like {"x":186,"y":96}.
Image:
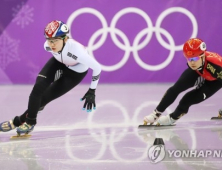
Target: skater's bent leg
{"x":43,"y":81}
{"x":168,"y":98}
{"x":69,"y":80}
{"x":194,"y":97}
{"x":186,"y":80}
{"x":190,"y":98}
{"x":35,"y":99}
{"x":62,"y":86}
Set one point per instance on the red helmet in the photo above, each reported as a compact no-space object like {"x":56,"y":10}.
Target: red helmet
{"x":194,"y":47}
{"x":56,"y":29}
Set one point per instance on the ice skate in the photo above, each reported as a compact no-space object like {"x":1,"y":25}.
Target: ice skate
{"x":23,"y":131}
{"x":165,"y":120}
{"x":219,"y":117}
{"x":7,"y":126}
{"x":25,"y":128}
{"x":152,"y":118}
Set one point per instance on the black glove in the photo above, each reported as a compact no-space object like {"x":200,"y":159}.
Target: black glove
{"x":90,"y":100}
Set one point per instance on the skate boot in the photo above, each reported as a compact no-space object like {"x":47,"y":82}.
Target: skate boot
{"x":7,"y":126}
{"x":25,"y":129}
{"x":153,"y":117}
{"x":166,"y":120}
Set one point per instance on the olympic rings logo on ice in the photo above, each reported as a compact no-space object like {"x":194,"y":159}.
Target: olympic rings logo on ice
{"x":109,"y":141}
{"x":136,"y":45}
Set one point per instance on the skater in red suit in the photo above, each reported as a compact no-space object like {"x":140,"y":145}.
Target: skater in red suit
{"x":66,"y":68}
{"x":204,"y":72}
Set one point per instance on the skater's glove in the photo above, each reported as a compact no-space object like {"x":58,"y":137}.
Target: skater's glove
{"x":89,"y":98}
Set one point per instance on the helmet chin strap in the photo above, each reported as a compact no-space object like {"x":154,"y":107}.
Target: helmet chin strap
{"x":201,"y":67}
{"x":63,"y":45}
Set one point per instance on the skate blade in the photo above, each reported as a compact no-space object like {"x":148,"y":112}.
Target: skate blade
{"x":154,"y":125}
{"x":145,"y":123}
{"x":216,"y":118}
{"x":25,"y":136}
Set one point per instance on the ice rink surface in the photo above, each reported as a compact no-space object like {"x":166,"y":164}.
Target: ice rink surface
{"x":67,"y":138}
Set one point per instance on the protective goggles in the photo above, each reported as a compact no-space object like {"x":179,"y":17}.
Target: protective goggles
{"x":193,"y":58}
